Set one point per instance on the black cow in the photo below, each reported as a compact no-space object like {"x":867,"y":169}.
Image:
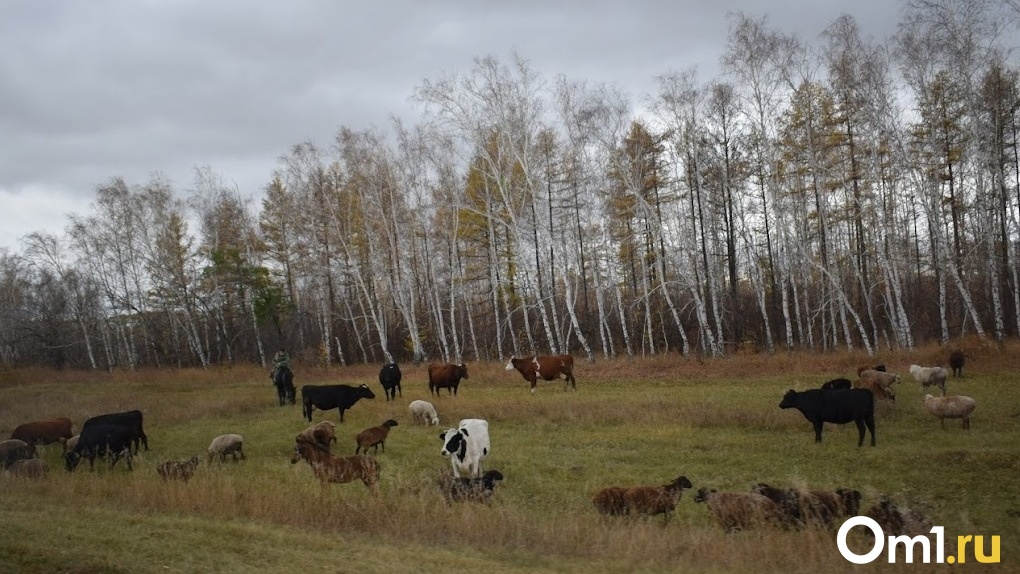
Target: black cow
{"x":837,"y":385}
{"x":326,"y":397}
{"x":839,"y":407}
{"x":389,"y":378}
{"x":98,"y":438}
{"x":129,"y":419}
{"x":283,"y":378}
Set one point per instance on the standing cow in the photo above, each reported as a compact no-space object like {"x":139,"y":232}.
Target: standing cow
{"x":326,"y":397}
{"x":838,"y":407}
{"x":549,"y":367}
{"x":446,"y":376}
{"x":389,"y":378}
{"x":467,"y":445}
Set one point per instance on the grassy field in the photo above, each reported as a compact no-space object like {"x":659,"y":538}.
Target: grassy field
{"x":631,"y":422}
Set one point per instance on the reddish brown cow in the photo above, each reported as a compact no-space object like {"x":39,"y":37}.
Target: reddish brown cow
{"x":446,"y":376}
{"x":45,"y":432}
{"x":549,"y":367}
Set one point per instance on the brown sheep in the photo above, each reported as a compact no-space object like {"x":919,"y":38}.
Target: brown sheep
{"x":863,"y":368}
{"x":178,"y":469}
{"x":879,"y":383}
{"x":741,"y":510}
{"x":321,"y":433}
{"x":611,"y":500}
{"x":337,"y":469}
{"x":650,"y":500}
{"x":374,"y":437}
{"x":45,"y":432}
{"x":819,"y":508}
{"x":897,"y":521}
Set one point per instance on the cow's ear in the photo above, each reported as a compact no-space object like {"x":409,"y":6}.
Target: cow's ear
{"x":442,"y":435}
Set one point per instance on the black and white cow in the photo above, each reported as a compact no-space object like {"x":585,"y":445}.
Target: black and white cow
{"x":467,"y":445}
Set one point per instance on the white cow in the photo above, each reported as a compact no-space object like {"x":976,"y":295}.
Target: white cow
{"x":466,"y":446}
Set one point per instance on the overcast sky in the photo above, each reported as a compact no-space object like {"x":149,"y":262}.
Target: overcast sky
{"x":95,"y":90}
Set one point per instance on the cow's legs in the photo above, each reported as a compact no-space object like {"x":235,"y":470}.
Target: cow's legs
{"x":818,"y":431}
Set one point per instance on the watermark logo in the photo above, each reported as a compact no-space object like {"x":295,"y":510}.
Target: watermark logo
{"x":975,"y":542}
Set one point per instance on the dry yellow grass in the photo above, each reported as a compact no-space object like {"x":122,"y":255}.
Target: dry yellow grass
{"x":639,"y":421}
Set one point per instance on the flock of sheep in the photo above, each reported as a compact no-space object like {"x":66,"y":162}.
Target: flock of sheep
{"x":763,"y":505}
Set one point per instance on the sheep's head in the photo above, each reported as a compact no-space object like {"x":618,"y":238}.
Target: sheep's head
{"x":703,"y":494}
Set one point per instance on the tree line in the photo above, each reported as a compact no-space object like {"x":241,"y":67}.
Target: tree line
{"x":845,"y":193}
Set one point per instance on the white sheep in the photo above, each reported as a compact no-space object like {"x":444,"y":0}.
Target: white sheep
{"x":951,"y":407}
{"x":423,"y":412}
{"x":232,"y":444}
{"x":929,"y":376}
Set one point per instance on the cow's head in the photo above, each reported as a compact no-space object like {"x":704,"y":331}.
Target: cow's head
{"x":789,"y":400}
{"x":454,"y":443}
{"x":510,"y":366}
{"x":365,"y":392}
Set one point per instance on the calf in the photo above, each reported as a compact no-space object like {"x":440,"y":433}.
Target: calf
{"x":549,"y":367}
{"x":467,"y":445}
{"x":97,"y":438}
{"x":446,"y":376}
{"x":327,"y":397}
{"x":389,"y":378}
{"x":45,"y":432}
{"x":839,"y":407}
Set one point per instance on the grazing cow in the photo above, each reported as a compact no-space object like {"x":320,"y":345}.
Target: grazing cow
{"x":956,"y":361}
{"x":98,"y":438}
{"x":13,"y":450}
{"x":129,"y":419}
{"x":389,"y":378}
{"x":178,"y":469}
{"x":337,"y":469}
{"x":326,"y":397}
{"x":467,"y":445}
{"x":45,"y":432}
{"x":549,"y":367}
{"x":839,"y":407}
{"x":446,"y":376}
{"x":837,"y":385}
{"x":283,"y":379}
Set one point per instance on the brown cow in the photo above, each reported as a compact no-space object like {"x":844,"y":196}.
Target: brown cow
{"x":549,"y":367}
{"x":446,"y":376}
{"x":45,"y":432}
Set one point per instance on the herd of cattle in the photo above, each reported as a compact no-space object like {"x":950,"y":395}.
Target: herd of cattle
{"x":118,"y":436}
